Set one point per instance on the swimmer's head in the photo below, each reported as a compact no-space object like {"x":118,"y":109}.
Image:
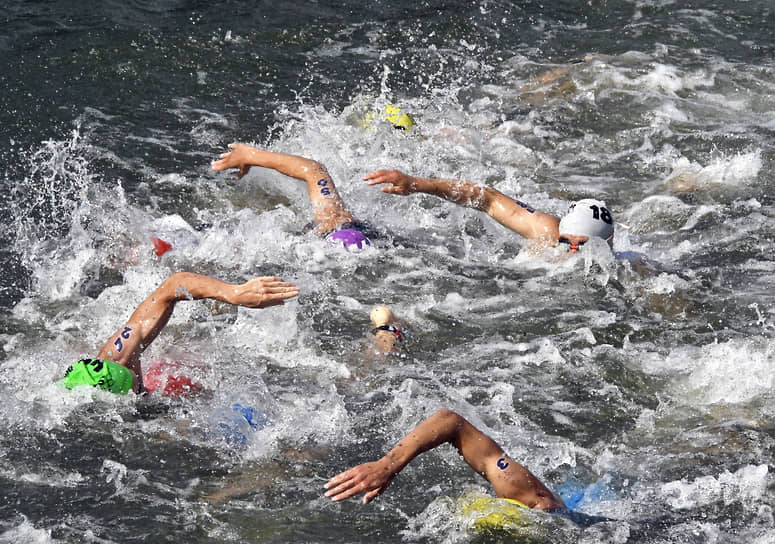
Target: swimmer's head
{"x":381,"y":316}
{"x":587,"y":218}
{"x":393,"y":115}
{"x":106,"y":375}
{"x":397,"y":118}
{"x":352,"y":240}
{"x":160,"y":247}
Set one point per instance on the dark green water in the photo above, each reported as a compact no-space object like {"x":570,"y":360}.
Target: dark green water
{"x":651,"y":389}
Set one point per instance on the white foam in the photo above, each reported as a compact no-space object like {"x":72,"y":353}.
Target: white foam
{"x":747,"y":485}
{"x":27,"y":533}
{"x":732,"y":170}
{"x":714,"y":373}
{"x":658,"y":213}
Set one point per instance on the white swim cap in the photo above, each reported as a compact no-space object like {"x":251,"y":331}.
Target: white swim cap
{"x":588,"y":217}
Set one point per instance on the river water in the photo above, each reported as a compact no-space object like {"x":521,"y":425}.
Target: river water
{"x":645,"y":383}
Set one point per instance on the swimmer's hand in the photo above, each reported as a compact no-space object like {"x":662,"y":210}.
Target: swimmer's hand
{"x":263,"y":292}
{"x":371,"y":479}
{"x":240,"y":157}
{"x":400,"y":183}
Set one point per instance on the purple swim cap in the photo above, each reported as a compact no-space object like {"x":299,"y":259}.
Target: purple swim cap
{"x":352,"y":239}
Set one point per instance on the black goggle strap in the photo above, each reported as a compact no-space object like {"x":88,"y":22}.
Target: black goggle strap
{"x":390,"y":328}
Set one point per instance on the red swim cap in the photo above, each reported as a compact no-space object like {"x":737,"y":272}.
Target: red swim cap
{"x":160,"y":247}
{"x":168,"y":378}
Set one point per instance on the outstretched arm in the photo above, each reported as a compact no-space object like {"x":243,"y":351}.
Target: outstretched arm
{"x":329,"y":209}
{"x":510,"y":213}
{"x":509,"y":478}
{"x":150,"y":317}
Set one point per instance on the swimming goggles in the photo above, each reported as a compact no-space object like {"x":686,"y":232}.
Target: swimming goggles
{"x":571,"y":245}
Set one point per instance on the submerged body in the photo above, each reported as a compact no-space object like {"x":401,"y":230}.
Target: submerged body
{"x":509,"y":479}
{"x":121,"y":353}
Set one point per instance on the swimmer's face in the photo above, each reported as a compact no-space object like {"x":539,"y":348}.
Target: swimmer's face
{"x":574,"y":242}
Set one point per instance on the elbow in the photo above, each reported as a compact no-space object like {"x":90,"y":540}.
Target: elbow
{"x":315,"y":170}
{"x":449,"y":427}
{"x":174,"y":286}
{"x":485,"y":199}
{"x":448,"y":416}
{"x":178,"y":278}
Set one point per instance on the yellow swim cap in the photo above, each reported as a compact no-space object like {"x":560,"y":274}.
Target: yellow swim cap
{"x":392,"y":115}
{"x":494,"y":514}
{"x":399,"y":119}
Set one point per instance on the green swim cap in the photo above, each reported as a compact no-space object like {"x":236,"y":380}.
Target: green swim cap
{"x":106,"y":375}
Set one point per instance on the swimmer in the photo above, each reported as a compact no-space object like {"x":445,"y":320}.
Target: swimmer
{"x":558,"y":82}
{"x":393,"y":115}
{"x":334,"y":220}
{"x":509,"y":479}
{"x":117,"y":366}
{"x":586,"y":219}
{"x":387,"y":332}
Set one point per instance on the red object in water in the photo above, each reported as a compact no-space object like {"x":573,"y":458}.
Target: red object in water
{"x":168,"y":378}
{"x":160,"y":247}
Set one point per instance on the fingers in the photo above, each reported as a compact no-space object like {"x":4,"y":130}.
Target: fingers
{"x":267,"y":291}
{"x":272,"y":283}
{"x":337,"y":480}
{"x":277,"y":289}
{"x":224,"y":164}
{"x":368,"y":497}
{"x":286,"y":294}
{"x":380,"y":176}
{"x":396,"y":182}
{"x":278,"y":298}
{"x":342,"y":491}
{"x":345,"y":485}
